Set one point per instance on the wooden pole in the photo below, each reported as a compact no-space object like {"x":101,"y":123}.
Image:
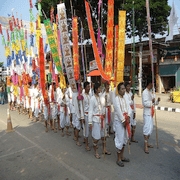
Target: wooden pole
{"x":152,"y":59}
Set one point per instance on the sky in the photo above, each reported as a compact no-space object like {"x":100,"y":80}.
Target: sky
{"x":21,"y":9}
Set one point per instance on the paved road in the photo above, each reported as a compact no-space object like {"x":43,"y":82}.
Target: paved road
{"x":29,"y":153}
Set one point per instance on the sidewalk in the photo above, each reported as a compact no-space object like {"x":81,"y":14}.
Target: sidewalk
{"x":165,"y":104}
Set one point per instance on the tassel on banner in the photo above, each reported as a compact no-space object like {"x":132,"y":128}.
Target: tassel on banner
{"x":1,"y":29}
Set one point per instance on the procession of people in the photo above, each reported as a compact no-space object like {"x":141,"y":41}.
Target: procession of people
{"x":98,"y":110}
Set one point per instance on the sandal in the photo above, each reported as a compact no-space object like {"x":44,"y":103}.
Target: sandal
{"x":150,"y":146}
{"x":146,"y":151}
{"x":97,"y":156}
{"x":107,"y":153}
{"x":135,"y":141}
{"x":125,"y":160}
{"x":87,"y":148}
{"x":120,"y":163}
{"x":78,"y":144}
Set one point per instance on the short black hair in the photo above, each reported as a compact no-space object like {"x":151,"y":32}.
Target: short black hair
{"x":96,"y":86}
{"x":106,"y":84}
{"x":86,"y":84}
{"x":119,"y":85}
{"x":149,"y":81}
{"x":127,"y":83}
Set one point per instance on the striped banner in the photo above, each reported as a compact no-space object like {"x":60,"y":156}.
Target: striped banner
{"x":53,"y":45}
{"x":121,"y":47}
{"x":66,"y":48}
{"x":75,"y":47}
{"x":110,"y":37}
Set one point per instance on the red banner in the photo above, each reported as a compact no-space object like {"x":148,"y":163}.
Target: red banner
{"x":75,"y":47}
{"x":95,"y":49}
{"x":42,"y":70}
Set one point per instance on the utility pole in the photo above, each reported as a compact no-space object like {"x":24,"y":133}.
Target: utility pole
{"x":133,"y":60}
{"x":140,"y":68}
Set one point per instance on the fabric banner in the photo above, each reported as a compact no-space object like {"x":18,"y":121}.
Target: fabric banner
{"x":110,"y":37}
{"x":75,"y":47}
{"x":66,"y":48}
{"x":42,"y":69}
{"x":115,"y":52}
{"x":53,"y":45}
{"x":121,"y":47}
{"x":95,"y":49}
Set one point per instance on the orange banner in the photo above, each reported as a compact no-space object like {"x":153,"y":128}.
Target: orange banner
{"x":110,"y":36}
{"x":115,"y":52}
{"x":75,"y":47}
{"x":94,"y":45}
{"x":121,"y":47}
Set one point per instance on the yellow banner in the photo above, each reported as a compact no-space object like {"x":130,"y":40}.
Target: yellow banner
{"x":121,"y":47}
{"x":110,"y":37}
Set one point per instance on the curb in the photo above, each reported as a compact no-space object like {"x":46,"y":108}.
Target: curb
{"x":169,"y":109}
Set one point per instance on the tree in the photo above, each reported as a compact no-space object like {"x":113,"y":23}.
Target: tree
{"x":1,"y":64}
{"x":159,"y":10}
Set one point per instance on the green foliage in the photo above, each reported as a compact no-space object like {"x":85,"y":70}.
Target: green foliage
{"x":1,"y":64}
{"x":159,"y":11}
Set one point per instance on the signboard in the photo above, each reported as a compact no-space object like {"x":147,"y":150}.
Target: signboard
{"x":92,"y":65}
{"x":173,"y":51}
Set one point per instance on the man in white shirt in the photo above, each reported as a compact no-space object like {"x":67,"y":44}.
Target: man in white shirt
{"x":96,"y":120}
{"x":86,"y":102}
{"x":130,"y":98}
{"x":148,"y":101}
{"x":122,"y":113}
{"x":78,"y":115}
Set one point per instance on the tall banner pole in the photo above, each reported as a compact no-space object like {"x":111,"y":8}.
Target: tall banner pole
{"x":152,"y":59}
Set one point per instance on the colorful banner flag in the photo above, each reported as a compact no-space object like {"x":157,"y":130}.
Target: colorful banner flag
{"x":95,"y":49}
{"x":53,"y":45}
{"x":75,"y":47}
{"x":66,"y":48}
{"x":121,"y":47}
{"x":110,"y":37}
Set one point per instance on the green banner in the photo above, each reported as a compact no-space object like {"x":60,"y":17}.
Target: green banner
{"x":53,"y":45}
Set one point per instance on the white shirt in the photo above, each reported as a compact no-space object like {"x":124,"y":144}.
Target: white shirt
{"x":147,"y":97}
{"x":121,"y":106}
{"x":128,"y":96}
{"x":86,"y":102}
{"x":96,"y":108}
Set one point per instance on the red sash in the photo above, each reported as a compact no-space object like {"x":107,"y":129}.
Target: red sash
{"x":132,"y":106}
{"x":127,"y":124}
{"x":152,"y":111}
{"x":109,"y":114}
{"x":102,"y":121}
{"x":65,"y":110}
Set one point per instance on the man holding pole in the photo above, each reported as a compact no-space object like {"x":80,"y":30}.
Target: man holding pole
{"x":148,"y":101}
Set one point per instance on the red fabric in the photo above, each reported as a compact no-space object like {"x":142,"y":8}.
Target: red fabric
{"x":152,"y":111}
{"x":109,"y":114}
{"x":102,"y":121}
{"x":127,"y":124}
{"x":132,"y":106}
{"x":65,"y":110}
{"x":52,"y":94}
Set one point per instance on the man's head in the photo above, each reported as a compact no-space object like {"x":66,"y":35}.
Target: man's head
{"x":121,"y":89}
{"x":149,"y":84}
{"x":86,"y":86}
{"x":128,"y":86}
{"x":107,"y":85}
{"x":97,"y":88}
